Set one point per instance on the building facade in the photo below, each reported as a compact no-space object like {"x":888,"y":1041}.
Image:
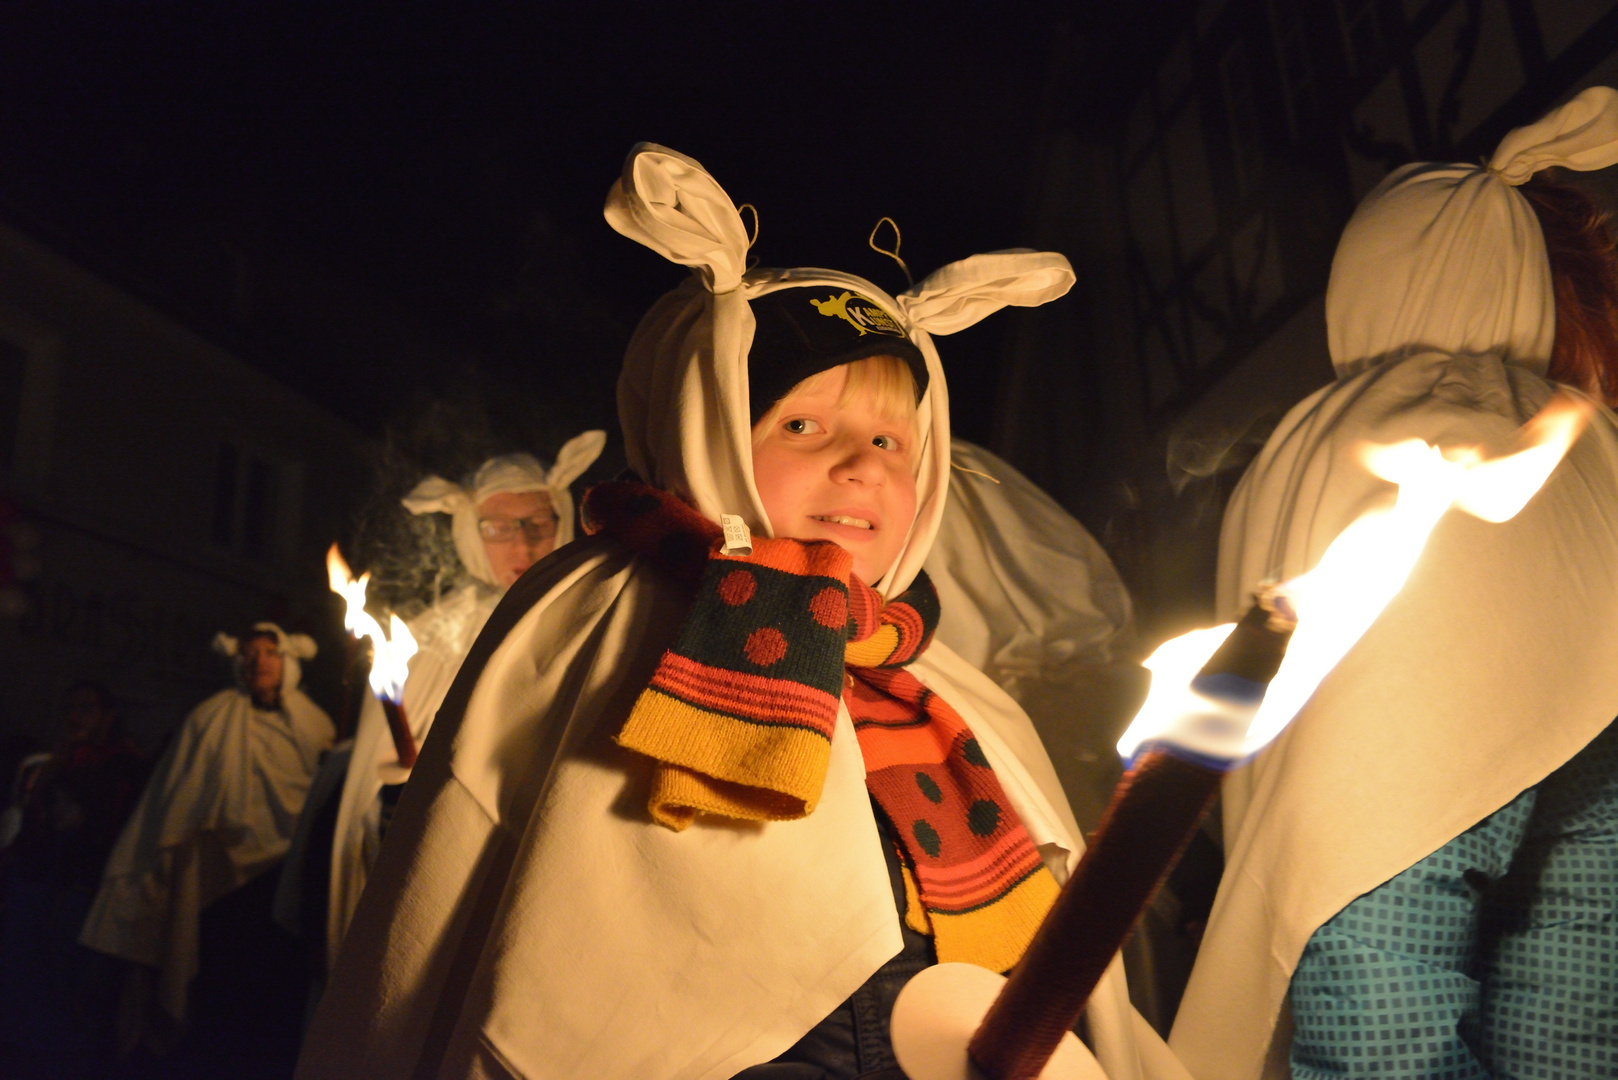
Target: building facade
{"x":160,"y":489}
{"x":1202,"y":224}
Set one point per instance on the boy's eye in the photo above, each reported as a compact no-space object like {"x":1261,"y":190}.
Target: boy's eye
{"x":802,"y":425}
{"x":885,"y":442}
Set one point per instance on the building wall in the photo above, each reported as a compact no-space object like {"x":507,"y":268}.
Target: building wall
{"x":1202,"y":226}
{"x":173,"y":489}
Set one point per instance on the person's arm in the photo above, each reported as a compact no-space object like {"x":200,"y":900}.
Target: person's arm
{"x":1386,"y":988}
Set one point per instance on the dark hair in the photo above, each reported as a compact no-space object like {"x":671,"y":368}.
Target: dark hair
{"x":1584,"y":274}
{"x":253,"y":633}
{"x":103,"y":694}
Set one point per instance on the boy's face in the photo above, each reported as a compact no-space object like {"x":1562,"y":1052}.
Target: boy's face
{"x":838,"y":472}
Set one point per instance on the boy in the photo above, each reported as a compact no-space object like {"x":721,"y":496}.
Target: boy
{"x":648,"y":840}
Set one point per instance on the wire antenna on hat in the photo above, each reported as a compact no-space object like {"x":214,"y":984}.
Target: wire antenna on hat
{"x":752,"y":237}
{"x":897,"y":240}
{"x":752,"y":234}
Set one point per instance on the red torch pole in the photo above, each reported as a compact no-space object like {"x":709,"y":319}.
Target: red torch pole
{"x":404,"y":743}
{"x":1153,"y":814}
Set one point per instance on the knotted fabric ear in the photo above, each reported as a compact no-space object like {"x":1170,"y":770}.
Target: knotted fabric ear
{"x":576,"y":455}
{"x":668,"y":202}
{"x":1581,"y":135}
{"x":435,"y":495}
{"x":956,"y":296}
{"x":225,"y":644}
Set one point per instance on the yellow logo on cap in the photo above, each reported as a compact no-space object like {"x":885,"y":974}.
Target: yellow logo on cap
{"x":863,"y":315}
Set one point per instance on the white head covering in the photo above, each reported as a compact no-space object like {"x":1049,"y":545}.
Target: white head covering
{"x":1451,"y":258}
{"x":1489,"y":669}
{"x":292,"y":647}
{"x":691,"y":348}
{"x":514,"y":473}
{"x":1027,"y":595}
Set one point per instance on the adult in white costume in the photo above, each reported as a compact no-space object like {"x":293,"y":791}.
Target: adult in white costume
{"x":535,"y":922}
{"x":1492,"y":668}
{"x":519,"y":488}
{"x":218,"y":811}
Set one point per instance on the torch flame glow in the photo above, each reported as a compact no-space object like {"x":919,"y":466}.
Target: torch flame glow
{"x":391,"y":652}
{"x":1363,"y":569}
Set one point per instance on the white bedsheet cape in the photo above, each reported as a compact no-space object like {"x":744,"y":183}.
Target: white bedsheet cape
{"x":1491,"y":668}
{"x":443,"y":633}
{"x":526,"y":918}
{"x":219,"y":810}
{"x":1027,"y":594}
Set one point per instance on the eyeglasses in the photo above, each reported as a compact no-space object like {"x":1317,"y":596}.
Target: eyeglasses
{"x":535,"y":530}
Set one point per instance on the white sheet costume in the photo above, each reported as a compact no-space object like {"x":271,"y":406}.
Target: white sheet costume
{"x":535,"y":922}
{"x":443,"y":633}
{"x":219,"y":811}
{"x":1493,"y":666}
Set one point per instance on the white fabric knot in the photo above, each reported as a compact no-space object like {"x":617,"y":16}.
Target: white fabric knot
{"x":1450,"y":257}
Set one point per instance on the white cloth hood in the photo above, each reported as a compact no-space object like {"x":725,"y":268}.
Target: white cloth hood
{"x":1450,"y":257}
{"x":1026,"y":594}
{"x":1488,"y":670}
{"x":294,"y":648}
{"x":691,"y":348}
{"x":513,"y":473}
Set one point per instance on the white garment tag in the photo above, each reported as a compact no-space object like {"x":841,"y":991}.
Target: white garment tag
{"x":738,"y":537}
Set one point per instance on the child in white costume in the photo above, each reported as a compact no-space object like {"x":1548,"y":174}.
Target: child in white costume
{"x":1491,"y":669}
{"x":538,"y":923}
{"x":218,"y":811}
{"x":444,"y":633}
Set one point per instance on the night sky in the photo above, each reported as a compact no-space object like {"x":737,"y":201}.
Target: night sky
{"x":377,"y":207}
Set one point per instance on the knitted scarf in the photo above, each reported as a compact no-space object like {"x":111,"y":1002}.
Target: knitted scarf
{"x":740,"y":713}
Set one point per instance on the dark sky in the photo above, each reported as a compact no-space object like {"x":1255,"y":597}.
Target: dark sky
{"x":344,"y":192}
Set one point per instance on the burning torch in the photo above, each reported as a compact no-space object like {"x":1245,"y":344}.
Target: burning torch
{"x":1217,"y":697}
{"x":390,"y":653}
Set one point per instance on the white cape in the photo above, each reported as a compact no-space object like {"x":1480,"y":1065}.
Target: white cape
{"x":1489,"y":670}
{"x":523,"y":842}
{"x":443,"y":633}
{"x":526,"y":918}
{"x":219,"y":810}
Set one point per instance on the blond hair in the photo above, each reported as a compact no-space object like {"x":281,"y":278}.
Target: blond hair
{"x":885,"y":380}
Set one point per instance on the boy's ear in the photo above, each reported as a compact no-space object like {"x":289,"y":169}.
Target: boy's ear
{"x":668,"y":202}
{"x":954,"y":297}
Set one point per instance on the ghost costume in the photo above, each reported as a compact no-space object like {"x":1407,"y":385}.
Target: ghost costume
{"x":1490,"y":670}
{"x":218,"y":812}
{"x":443,"y":633}
{"x":534,"y":922}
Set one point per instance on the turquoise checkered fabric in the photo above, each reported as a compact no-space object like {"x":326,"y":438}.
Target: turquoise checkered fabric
{"x":1494,"y":957}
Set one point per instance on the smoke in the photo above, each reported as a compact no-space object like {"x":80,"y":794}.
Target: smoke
{"x":1209,"y":452}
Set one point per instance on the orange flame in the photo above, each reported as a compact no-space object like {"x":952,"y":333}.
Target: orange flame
{"x":391,"y":653}
{"x":1361,"y":571}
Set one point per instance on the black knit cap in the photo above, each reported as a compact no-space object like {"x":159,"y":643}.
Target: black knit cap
{"x":807,"y":329}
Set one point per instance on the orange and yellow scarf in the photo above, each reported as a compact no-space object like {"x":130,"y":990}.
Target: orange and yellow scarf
{"x":740,"y":714}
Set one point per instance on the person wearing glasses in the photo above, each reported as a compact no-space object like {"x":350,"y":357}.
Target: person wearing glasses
{"x":510,"y":514}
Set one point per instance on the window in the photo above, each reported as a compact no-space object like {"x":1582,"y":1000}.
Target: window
{"x":13,"y":368}
{"x":1297,"y":74}
{"x":1362,"y":37}
{"x":247,"y":510}
{"x":1241,"y":111}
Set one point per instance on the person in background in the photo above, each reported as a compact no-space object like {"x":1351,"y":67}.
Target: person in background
{"x":186,"y":892}
{"x":1423,"y":876}
{"x":511,"y":513}
{"x":67,"y":808}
